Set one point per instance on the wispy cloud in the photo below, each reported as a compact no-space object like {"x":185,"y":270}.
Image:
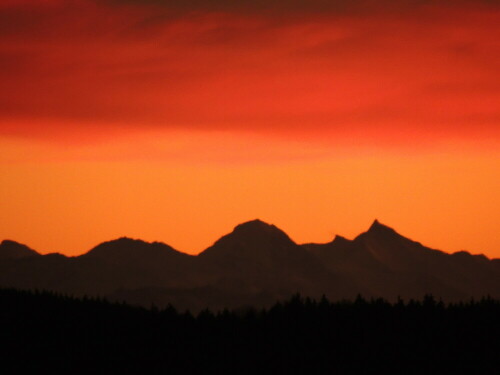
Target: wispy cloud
{"x":291,"y":68}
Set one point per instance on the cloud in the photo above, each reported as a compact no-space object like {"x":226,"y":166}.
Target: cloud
{"x":330,"y":6}
{"x":370,"y":69}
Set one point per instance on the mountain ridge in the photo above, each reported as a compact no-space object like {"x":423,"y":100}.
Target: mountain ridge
{"x":12,"y":249}
{"x":255,"y":264}
{"x":376,"y":224}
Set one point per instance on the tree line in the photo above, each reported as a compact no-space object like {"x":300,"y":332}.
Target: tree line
{"x":47,"y":331}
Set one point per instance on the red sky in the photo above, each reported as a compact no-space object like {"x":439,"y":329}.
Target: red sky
{"x":175,"y":122}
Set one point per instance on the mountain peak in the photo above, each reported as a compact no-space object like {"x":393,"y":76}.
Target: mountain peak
{"x":339,"y":240}
{"x":9,"y":243}
{"x":125,"y":247}
{"x":126,"y":240}
{"x":252,"y":236}
{"x":389,"y":240}
{"x":378,"y":227}
{"x":254,"y":225}
{"x":14,"y":250}
{"x":381,"y":231}
{"x":259,"y":229}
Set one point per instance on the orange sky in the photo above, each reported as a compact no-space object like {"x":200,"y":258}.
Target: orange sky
{"x":162,"y":121}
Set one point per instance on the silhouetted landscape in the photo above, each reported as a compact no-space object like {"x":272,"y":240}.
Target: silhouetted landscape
{"x":299,"y":335}
{"x":255,"y":265}
{"x":253,"y":302}
{"x":139,"y":121}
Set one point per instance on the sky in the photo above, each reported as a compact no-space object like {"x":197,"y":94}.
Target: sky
{"x":174,"y":121}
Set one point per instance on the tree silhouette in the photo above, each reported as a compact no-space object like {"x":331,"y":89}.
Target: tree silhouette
{"x":46,"y":331}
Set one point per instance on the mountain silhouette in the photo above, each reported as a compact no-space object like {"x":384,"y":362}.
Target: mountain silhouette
{"x":389,"y":264}
{"x":256,"y":264}
{"x":13,"y":250}
{"x":257,"y":258}
{"x":259,"y":245}
{"x":130,"y":251}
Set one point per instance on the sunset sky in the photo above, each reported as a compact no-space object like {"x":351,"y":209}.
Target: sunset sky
{"x":176,"y":120}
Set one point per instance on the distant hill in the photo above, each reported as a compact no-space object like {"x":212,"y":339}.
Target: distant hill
{"x":13,"y":250}
{"x":256,"y":264}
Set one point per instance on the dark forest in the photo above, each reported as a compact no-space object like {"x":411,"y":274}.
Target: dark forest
{"x":63,"y":334}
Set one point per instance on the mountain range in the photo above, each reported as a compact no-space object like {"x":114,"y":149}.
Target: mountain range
{"x":255,"y":265}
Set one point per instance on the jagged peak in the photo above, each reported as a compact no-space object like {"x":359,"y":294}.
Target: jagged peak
{"x":377,"y":226}
{"x":340,"y":239}
{"x":379,"y":230}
